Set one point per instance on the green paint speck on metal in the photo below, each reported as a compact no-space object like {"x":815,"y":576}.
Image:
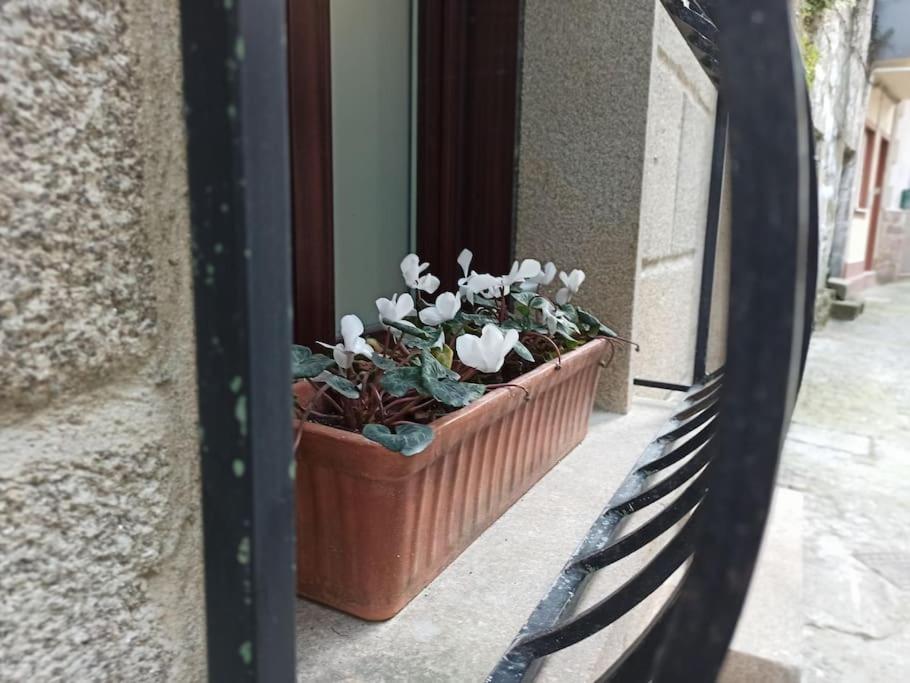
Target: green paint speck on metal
{"x":219,"y":247}
{"x":240,"y":414}
{"x":228,"y":5}
{"x":239,"y":467}
{"x":239,"y":48}
{"x":243,"y":550}
{"x":246,"y":652}
{"x":247,"y":253}
{"x":292,"y":470}
{"x":231,"y":112}
{"x":236,"y":383}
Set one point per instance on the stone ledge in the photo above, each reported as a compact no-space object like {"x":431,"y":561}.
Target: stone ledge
{"x":459,"y":626}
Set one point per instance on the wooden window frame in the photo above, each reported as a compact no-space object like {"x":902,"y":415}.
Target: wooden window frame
{"x":467,"y":121}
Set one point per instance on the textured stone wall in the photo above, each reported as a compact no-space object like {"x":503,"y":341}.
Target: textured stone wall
{"x":584,"y":100}
{"x":839,"y":92}
{"x":673,"y":210}
{"x":100,"y":563}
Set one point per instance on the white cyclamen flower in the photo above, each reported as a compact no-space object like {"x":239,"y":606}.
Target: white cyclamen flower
{"x":519,"y":273}
{"x":484,"y":284}
{"x":488,"y":351}
{"x":353,"y":344}
{"x":447,"y":305}
{"x":550,"y":316}
{"x":411,"y":269}
{"x":395,"y":309}
{"x":572,"y":282}
{"x":544,"y":277}
{"x":464,"y":260}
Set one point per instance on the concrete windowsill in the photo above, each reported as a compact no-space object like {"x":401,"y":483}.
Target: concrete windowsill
{"x":460,"y":625}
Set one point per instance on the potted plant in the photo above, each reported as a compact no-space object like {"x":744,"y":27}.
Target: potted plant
{"x":412,"y":441}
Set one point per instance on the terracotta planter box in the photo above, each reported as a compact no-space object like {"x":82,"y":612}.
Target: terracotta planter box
{"x":375,"y":527}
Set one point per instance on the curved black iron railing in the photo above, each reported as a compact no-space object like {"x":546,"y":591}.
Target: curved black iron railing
{"x":715,"y":463}
{"x":722,"y":447}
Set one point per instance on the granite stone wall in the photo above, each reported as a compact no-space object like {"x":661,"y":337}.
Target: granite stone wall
{"x":584,"y":100}
{"x":100,"y":562}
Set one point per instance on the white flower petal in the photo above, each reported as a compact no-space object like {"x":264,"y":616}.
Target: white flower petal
{"x":563,"y":296}
{"x":351,"y":329}
{"x":361,"y":347}
{"x":428,"y":284}
{"x":529,"y":268}
{"x":576,"y":277}
{"x":440,"y":341}
{"x":464,"y":260}
{"x":448,"y":304}
{"x":467,"y":346}
{"x":404,"y":306}
{"x":343,"y":359}
{"x":430,"y":316}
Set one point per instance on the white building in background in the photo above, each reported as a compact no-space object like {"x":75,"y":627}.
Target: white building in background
{"x":873,"y":244}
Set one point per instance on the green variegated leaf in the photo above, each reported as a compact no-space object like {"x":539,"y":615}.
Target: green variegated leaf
{"x":591,"y":321}
{"x":306,"y":364}
{"x":478,"y":319}
{"x":415,"y":343}
{"x":524,"y":298}
{"x":343,"y":386}
{"x":431,"y":368}
{"x":452,"y":392}
{"x":523,"y":352}
{"x":383,"y":362}
{"x":408,"y":328}
{"x":521,"y":324}
{"x":400,"y":381}
{"x":570,"y":312}
{"x":408,"y":439}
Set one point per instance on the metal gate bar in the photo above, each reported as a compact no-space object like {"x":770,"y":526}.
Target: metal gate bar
{"x":235,"y":89}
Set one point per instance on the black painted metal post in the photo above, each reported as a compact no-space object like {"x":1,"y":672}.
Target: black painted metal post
{"x":715,"y":196}
{"x":236,"y":114}
{"x":770,"y":200}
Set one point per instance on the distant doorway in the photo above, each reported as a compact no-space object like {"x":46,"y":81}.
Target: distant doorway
{"x":876,"y":203}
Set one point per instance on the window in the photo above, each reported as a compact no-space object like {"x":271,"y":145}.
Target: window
{"x":402,"y":117}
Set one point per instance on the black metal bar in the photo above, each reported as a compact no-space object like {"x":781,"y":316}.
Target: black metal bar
{"x":620,"y":601}
{"x":770,"y":190}
{"x":812,"y":250}
{"x":699,"y":30}
{"x":650,"y":530}
{"x":235,"y":89}
{"x":657,"y":384}
{"x":712,"y":221}
{"x":519,"y":664}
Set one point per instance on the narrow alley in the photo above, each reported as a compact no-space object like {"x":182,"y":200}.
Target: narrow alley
{"x":848,"y":452}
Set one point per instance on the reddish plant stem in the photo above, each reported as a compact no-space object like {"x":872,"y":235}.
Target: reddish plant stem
{"x":312,"y":402}
{"x":627,"y":341}
{"x":551,"y":343}
{"x":411,"y":407}
{"x":468,"y":374}
{"x":510,"y":384}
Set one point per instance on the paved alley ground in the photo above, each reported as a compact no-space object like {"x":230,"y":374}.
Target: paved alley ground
{"x":848,"y":452}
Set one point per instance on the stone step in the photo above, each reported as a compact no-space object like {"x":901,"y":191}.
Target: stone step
{"x":847,"y":310}
{"x":767,"y":644}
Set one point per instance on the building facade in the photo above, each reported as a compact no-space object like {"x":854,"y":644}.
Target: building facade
{"x":100,"y":548}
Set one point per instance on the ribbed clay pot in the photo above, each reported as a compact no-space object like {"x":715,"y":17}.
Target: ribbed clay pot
{"x":375,"y":527}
